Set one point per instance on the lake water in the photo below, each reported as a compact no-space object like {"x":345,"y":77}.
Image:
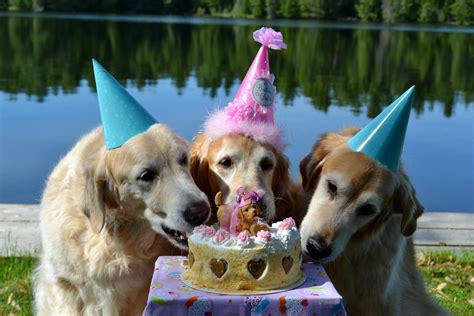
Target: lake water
{"x":331,"y":76}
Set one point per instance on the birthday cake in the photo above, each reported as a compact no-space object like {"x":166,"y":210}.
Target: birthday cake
{"x":243,"y":253}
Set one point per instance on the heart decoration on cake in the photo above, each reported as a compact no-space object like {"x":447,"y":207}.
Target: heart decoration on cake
{"x":287,"y":263}
{"x":218,"y":267}
{"x":256,"y":268}
{"x":191,"y":259}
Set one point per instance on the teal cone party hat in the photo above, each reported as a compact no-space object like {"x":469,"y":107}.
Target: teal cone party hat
{"x":122,"y":116}
{"x":382,"y":139}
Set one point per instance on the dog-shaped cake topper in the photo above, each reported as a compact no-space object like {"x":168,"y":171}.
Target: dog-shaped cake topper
{"x":244,"y":214}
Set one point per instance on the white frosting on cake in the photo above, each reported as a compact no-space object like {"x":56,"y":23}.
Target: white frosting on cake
{"x":280,"y":238}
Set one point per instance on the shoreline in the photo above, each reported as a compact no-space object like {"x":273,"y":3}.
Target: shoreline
{"x":219,"y":20}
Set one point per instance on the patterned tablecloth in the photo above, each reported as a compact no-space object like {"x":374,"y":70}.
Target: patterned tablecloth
{"x":170,"y":296}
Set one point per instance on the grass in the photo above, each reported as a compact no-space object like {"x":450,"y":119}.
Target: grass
{"x":449,"y":278}
{"x":16,"y":285}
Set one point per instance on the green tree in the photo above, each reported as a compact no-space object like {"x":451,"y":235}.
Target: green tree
{"x":271,"y":7}
{"x":388,"y":9}
{"x":3,"y":4}
{"x":327,"y":9}
{"x":242,"y":7}
{"x":16,"y":5}
{"x":319,"y":9}
{"x":369,"y":10}
{"x":290,"y":9}
{"x":258,"y":8}
{"x":445,"y":10}
{"x":428,"y":12}
{"x":407,"y":10}
{"x":463,"y":11}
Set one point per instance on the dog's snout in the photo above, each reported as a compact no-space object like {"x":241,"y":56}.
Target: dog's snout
{"x":317,"y":248}
{"x":197,"y":213}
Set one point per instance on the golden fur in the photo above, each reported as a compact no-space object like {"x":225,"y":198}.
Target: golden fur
{"x":359,"y":220}
{"x":102,"y":218}
{"x":252,"y":164}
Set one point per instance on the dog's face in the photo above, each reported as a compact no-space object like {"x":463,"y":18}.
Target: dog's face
{"x":352,"y":197}
{"x":234,"y":161}
{"x":149,"y":177}
{"x":249,"y":212}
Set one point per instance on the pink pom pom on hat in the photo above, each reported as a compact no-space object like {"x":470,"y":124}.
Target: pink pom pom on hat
{"x":251,"y":112}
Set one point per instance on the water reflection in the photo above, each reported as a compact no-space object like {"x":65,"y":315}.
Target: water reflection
{"x":332,"y":67}
{"x":328,"y":78}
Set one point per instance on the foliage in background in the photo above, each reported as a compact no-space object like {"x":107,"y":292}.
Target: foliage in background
{"x":368,"y":10}
{"x":463,"y":11}
{"x":365,"y":66}
{"x":425,"y":11}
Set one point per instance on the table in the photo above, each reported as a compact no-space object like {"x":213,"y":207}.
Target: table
{"x":170,"y":296}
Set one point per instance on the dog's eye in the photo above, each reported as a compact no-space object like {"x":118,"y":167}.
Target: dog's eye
{"x":332,"y":188}
{"x":366,"y":209}
{"x":147,"y":175}
{"x":266,"y":164}
{"x":183,"y":160}
{"x":225,"y":162}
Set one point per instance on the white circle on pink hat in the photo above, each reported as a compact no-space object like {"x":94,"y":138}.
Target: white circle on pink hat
{"x":263,"y":92}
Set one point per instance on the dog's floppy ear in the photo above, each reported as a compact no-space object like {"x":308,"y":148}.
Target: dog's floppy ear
{"x":98,"y":193}
{"x":406,"y":203}
{"x":310,"y":168}
{"x":311,"y":165}
{"x":199,"y":166}
{"x":282,"y":186}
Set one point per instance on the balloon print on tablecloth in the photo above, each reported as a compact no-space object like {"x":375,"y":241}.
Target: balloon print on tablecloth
{"x":175,"y":275}
{"x":313,"y":290}
{"x":292,"y":305}
{"x":185,"y":289}
{"x":256,"y":304}
{"x":198,"y":306}
{"x":156,"y":285}
{"x":158,"y":300}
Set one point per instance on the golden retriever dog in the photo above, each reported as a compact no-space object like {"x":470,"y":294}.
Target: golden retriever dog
{"x":359,"y":220}
{"x":236,"y":160}
{"x":106,"y":215}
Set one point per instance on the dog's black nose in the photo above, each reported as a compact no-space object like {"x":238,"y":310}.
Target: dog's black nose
{"x":317,"y":248}
{"x":197,"y":213}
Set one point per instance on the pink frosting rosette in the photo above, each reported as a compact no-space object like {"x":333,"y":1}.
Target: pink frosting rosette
{"x":287,"y":223}
{"x":199,"y":229}
{"x":221,"y":236}
{"x":205,"y":230}
{"x":244,"y":236}
{"x":210,"y":231}
{"x":264,"y":235}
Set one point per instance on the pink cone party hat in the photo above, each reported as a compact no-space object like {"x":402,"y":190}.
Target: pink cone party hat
{"x":251,"y":111}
